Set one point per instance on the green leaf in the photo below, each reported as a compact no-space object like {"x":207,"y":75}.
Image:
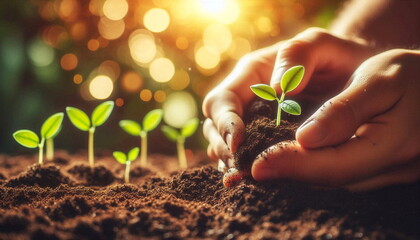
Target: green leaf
{"x":101,"y":113}
{"x":190,"y":127}
{"x":170,"y":133}
{"x":131,"y":127}
{"x":292,"y":78}
{"x":26,"y":138}
{"x":78,"y":118}
{"x":264,"y":91}
{"x":120,"y":157}
{"x":52,"y":126}
{"x":291,"y":107}
{"x":152,"y":119}
{"x":133,"y":154}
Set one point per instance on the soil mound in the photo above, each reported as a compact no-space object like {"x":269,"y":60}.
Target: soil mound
{"x":98,"y":176}
{"x":41,"y":176}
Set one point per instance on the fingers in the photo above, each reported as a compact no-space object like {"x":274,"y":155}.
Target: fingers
{"x":317,"y":51}
{"x":338,"y":118}
{"x":217,"y":148}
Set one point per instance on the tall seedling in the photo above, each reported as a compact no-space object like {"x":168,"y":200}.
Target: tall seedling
{"x":81,"y":121}
{"x":150,"y":121}
{"x":179,"y":137}
{"x":50,"y":129}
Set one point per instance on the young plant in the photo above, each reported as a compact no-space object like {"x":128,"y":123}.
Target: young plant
{"x":126,"y":159}
{"x":49,"y":129}
{"x":150,"y":121}
{"x":179,"y":137}
{"x":289,"y":81}
{"x":81,"y":121}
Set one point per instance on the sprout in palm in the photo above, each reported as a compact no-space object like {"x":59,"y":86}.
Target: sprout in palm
{"x":49,"y":131}
{"x":81,"y":121}
{"x":126,"y":159}
{"x":179,"y":137}
{"x":150,"y":121}
{"x":289,"y":81}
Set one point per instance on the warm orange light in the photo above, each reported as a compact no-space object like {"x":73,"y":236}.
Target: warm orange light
{"x":142,"y":46}
{"x":162,"y":69}
{"x":78,"y":31}
{"x":110,"y":29}
{"x":207,"y":58}
{"x":115,"y":9}
{"x":131,"y":81}
{"x":218,"y":36}
{"x":239,"y":47}
{"x":156,"y":20}
{"x":119,"y":102}
{"x":146,"y":95}
{"x":77,"y":78}
{"x":93,"y":45}
{"x":109,"y":68}
{"x":180,"y":80}
{"x":182,"y":43}
{"x":264,"y":24}
{"x":69,"y":61}
{"x":160,"y":96}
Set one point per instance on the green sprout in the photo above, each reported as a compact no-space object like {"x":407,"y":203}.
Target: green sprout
{"x":150,"y":121}
{"x":126,"y":159}
{"x":289,"y":81}
{"x":179,"y":137}
{"x":81,"y":121}
{"x":49,"y":129}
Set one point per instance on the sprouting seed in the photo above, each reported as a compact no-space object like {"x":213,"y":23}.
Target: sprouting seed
{"x":126,"y":159}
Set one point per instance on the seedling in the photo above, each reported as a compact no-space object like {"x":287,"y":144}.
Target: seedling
{"x":150,"y":121}
{"x":126,"y":159}
{"x":179,"y":137}
{"x":81,"y":121}
{"x":49,"y":129}
{"x":289,"y":81}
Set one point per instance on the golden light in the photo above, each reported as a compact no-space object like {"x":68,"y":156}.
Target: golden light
{"x":207,"y":57}
{"x":115,"y":9}
{"x":93,"y":45}
{"x":131,"y":81}
{"x":159,"y":96}
{"x":264,"y":24}
{"x":78,"y":31}
{"x":181,"y":11}
{"x":239,"y":47}
{"x":109,"y":68}
{"x":230,"y":13}
{"x":162,"y":69}
{"x":222,"y":11}
{"x":77,"y":79}
{"x":142,"y":46}
{"x":182,"y":43}
{"x":101,"y":87}
{"x":119,"y":102}
{"x":41,"y":54}
{"x":178,"y":108}
{"x":110,"y":29}
{"x":218,"y":36}
{"x":156,"y":20}
{"x":69,"y":61}
{"x":68,"y":9}
{"x":212,"y":6}
{"x":146,"y":95}
{"x":180,"y":80}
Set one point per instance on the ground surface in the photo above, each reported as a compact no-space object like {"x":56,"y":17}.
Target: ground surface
{"x":65,"y":200}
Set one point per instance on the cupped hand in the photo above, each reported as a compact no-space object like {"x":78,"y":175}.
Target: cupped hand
{"x":366,"y":137}
{"x":329,"y":62}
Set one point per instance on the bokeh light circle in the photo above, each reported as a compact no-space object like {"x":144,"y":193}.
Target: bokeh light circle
{"x":142,"y":46}
{"x":178,"y":108}
{"x":207,"y":57}
{"x":101,"y":87}
{"x":41,"y":54}
{"x":156,"y":20}
{"x":115,"y":9}
{"x":162,"y":69}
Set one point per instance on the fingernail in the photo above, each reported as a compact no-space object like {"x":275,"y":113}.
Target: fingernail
{"x":232,"y":177}
{"x":221,"y":166}
{"x":229,"y":140}
{"x":311,"y":133}
{"x":265,"y":174}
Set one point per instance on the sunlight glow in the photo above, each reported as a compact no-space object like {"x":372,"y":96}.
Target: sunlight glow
{"x":162,"y":69}
{"x":178,"y":108}
{"x":142,"y":46}
{"x":156,"y":20}
{"x":101,"y":87}
{"x":115,"y":9}
{"x":207,"y":57}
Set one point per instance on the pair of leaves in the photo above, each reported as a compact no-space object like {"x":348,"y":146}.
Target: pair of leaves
{"x":150,"y":121}
{"x":131,"y":156}
{"x":49,"y":129}
{"x":289,"y":81}
{"x":186,"y":131}
{"x":99,"y":115}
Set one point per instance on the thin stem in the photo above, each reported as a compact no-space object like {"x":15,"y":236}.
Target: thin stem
{"x":181,"y":153}
{"x":127,"y":172}
{"x":41,"y":152}
{"x":50,"y":149}
{"x":143,"y":149}
{"x":278,"y":115}
{"x":90,"y":146}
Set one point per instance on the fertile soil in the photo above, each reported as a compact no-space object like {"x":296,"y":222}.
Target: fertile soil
{"x":65,"y":199}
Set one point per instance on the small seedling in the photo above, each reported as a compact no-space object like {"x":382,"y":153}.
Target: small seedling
{"x":81,"y":121}
{"x":289,"y":81}
{"x":150,"y":121}
{"x":179,"y":137}
{"x":50,"y":128}
{"x":126,"y":159}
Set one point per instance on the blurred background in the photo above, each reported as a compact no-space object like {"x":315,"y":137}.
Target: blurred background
{"x":142,"y":54}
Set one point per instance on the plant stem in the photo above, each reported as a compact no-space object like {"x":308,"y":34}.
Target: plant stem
{"x":127,"y":172}
{"x":181,"y":153}
{"x":41,"y":152}
{"x":90,"y":146}
{"x":50,"y":149}
{"x":143,"y":149}
{"x":279,"y":101}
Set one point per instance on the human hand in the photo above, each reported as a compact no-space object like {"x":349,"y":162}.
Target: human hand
{"x":329,"y":62}
{"x":366,"y":137}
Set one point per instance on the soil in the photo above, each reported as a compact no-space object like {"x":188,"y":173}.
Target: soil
{"x":65,"y":199}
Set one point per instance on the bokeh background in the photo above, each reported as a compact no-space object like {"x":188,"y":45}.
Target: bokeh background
{"x":142,"y":54}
